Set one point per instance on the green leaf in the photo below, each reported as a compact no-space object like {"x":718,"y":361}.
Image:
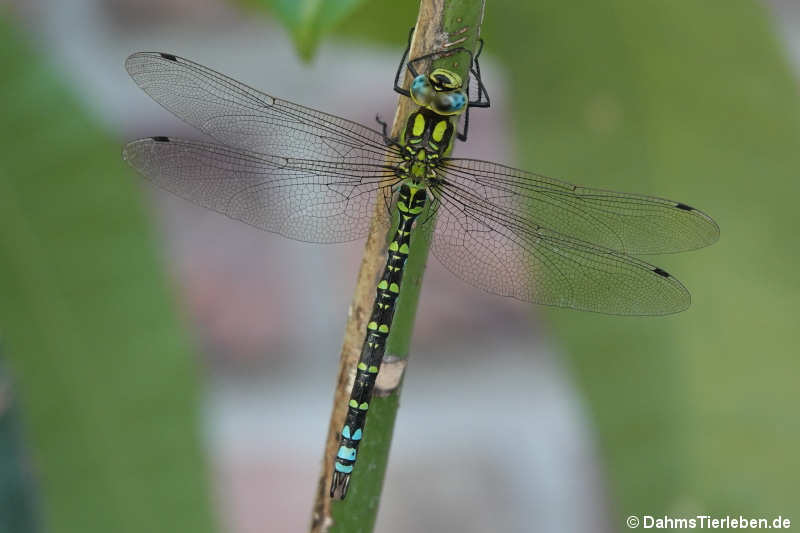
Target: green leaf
{"x":309,"y":20}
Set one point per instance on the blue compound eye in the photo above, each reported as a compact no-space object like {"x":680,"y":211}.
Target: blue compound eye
{"x":421,"y":91}
{"x":449,"y":103}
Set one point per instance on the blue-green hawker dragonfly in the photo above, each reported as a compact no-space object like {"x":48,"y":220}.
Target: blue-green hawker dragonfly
{"x":315,"y":177}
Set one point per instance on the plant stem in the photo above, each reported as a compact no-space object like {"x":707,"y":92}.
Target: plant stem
{"x":441,"y":24}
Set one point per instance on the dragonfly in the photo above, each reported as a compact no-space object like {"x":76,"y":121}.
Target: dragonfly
{"x":315,"y":177}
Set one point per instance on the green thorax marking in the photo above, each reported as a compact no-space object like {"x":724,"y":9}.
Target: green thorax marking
{"x":426,"y":138}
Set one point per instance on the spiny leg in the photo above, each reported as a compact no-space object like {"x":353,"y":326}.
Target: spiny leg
{"x":385,"y":132}
{"x":397,"y":86}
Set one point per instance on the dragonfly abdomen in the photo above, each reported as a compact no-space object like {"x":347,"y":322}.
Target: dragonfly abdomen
{"x":410,"y":203}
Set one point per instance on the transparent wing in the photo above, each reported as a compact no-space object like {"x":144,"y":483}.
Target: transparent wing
{"x":240,"y":116}
{"x":314,"y":201}
{"x":499,"y":252}
{"x":629,"y":223}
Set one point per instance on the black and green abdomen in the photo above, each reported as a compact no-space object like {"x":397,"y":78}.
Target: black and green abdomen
{"x":410,"y":203}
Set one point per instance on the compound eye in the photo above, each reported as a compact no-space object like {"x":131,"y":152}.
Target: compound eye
{"x":421,"y":91}
{"x":449,"y":103}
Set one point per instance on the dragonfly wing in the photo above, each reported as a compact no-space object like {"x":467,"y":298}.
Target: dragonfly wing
{"x":313,"y":201}
{"x":490,"y":249}
{"x":629,"y":223}
{"x":238,"y":115}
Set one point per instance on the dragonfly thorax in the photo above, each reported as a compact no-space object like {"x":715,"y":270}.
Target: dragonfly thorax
{"x":427,"y":137}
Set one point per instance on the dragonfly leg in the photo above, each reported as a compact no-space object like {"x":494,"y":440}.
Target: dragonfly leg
{"x":397,"y":86}
{"x":475,"y":69}
{"x":385,"y":131}
{"x":462,"y":135}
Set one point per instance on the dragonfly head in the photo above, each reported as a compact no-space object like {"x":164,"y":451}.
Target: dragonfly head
{"x":442,"y":91}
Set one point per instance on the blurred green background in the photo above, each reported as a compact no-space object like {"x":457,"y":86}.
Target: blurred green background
{"x":692,"y":414}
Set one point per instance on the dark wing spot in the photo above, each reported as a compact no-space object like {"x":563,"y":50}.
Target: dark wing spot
{"x":684,"y":207}
{"x":161,"y":139}
{"x":662,"y":273}
{"x":169,"y":57}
